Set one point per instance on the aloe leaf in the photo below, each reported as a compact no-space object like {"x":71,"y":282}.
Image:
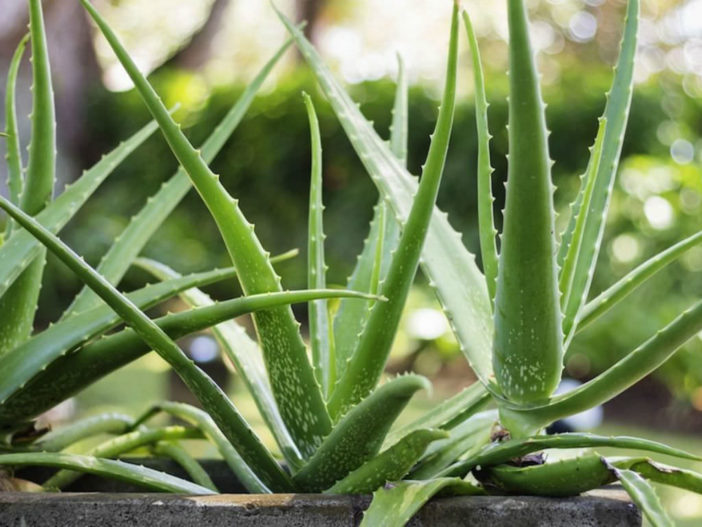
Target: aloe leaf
{"x":580,"y":214}
{"x":13,"y":156}
{"x":627,"y":285}
{"x":297,"y":393}
{"x":486,"y":221}
{"x":369,"y":358}
{"x":359,"y":434}
{"x":146,"y":477}
{"x":374,"y":260}
{"x":665,"y":474}
{"x":503,"y":452}
{"x":465,"y":440}
{"x":21,"y":249}
{"x":616,"y":114}
{"x":213,"y":399}
{"x":205,"y":423}
{"x":528,"y":344}
{"x":73,"y":372}
{"x":186,"y":461}
{"x":629,"y":370}
{"x":390,"y":465}
{"x":115,"y":447}
{"x":643,"y":495}
{"x":448,"y":413}
{"x":246,"y":356}
{"x":143,"y":225}
{"x":108,"y":423}
{"x":397,"y":503}
{"x":565,"y":477}
{"x":19,"y":303}
{"x":34,"y":355}
{"x":320,"y":328}
{"x":450,"y":267}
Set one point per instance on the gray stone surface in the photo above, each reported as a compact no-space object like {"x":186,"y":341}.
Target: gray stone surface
{"x":606,"y":507}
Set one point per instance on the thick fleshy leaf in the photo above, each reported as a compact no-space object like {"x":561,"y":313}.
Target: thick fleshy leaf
{"x":211,"y":396}
{"x":358,"y":435}
{"x":109,"y":423}
{"x":636,"y":278}
{"x":396,"y":504}
{"x":642,"y":493}
{"x":665,"y":474}
{"x":181,"y":456}
{"x":616,"y":114}
{"x":528,"y":341}
{"x":146,"y":477}
{"x":15,"y":176}
{"x":373,"y":349}
{"x":450,"y":267}
{"x":297,"y":393}
{"x":115,"y":447}
{"x":390,"y":465}
{"x":246,"y":357}
{"x":486,"y":221}
{"x":143,"y":225}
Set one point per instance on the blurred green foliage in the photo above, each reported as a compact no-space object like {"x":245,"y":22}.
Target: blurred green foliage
{"x":266,"y":165}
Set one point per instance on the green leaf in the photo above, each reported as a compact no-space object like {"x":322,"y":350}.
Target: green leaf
{"x":15,"y":174}
{"x":528,"y":343}
{"x":384,"y":233}
{"x":448,"y":413}
{"x":575,"y":238}
{"x":486,"y":221}
{"x":143,"y":225}
{"x":628,"y":371}
{"x":465,"y":440}
{"x":146,"y":477}
{"x":368,"y":361}
{"x":186,"y":461}
{"x":115,"y":447}
{"x":108,"y":423}
{"x":450,"y":267}
{"x":358,"y":435}
{"x":297,"y":393}
{"x":566,"y":477}
{"x":320,"y":327}
{"x":616,"y":114}
{"x":636,"y":278}
{"x":645,"y":498}
{"x":497,"y":453}
{"x":213,"y":399}
{"x":665,"y":474}
{"x":246,"y":356}
{"x":205,"y":423}
{"x":396,"y":504}
{"x":22,"y":248}
{"x":391,"y":465}
{"x":33,"y":356}
{"x":74,"y":372}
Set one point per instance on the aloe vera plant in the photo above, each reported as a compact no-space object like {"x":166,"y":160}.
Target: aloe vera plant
{"x":330,"y":415}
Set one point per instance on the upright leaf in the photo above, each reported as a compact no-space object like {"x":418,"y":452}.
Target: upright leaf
{"x":19,"y":303}
{"x":450,"y":267}
{"x":527,"y":351}
{"x":320,"y":328}
{"x":13,"y":156}
{"x":616,"y":114}
{"x":370,"y":356}
{"x":297,"y":393}
{"x":486,"y":221}
{"x":143,"y":225}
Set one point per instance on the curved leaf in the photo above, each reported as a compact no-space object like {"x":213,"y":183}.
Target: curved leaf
{"x":108,"y":423}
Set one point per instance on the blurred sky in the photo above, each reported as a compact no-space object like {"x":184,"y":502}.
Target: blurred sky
{"x":360,"y":38}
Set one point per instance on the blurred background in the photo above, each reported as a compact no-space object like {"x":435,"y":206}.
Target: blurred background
{"x":201,"y":53}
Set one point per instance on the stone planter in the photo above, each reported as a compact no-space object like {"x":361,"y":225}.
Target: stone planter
{"x":110,"y":506}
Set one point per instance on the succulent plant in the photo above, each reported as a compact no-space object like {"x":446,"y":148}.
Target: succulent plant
{"x":330,"y":416}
